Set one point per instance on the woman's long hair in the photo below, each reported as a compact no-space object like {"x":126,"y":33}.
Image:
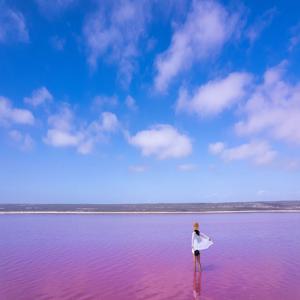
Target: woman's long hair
{"x":197,"y":232}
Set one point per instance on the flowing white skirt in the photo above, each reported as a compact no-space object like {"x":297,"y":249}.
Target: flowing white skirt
{"x":204,"y":244}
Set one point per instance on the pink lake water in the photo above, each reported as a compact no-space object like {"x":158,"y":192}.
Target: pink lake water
{"x":254,"y":256}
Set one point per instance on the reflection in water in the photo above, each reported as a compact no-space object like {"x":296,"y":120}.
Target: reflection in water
{"x":197,"y":285}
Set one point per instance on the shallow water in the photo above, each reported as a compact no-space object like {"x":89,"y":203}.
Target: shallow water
{"x":255,"y":256}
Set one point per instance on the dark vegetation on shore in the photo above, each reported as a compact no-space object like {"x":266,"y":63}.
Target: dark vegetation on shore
{"x":154,"y":207}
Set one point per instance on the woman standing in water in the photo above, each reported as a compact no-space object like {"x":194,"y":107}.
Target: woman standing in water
{"x":200,"y":241}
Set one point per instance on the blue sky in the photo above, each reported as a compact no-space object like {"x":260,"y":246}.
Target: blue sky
{"x":149,"y":101}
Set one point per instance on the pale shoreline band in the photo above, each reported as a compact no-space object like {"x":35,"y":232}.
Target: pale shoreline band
{"x":151,"y":212}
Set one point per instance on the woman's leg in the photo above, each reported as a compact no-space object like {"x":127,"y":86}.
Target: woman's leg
{"x":194,"y":262}
{"x":198,"y":258}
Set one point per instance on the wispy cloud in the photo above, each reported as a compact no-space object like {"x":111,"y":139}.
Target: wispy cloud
{"x":187,"y":167}
{"x":291,"y":164}
{"x":103,"y":101}
{"x":138,"y":168}
{"x":262,"y":22}
{"x":262,"y":192}
{"x":115,"y":36}
{"x":162,"y":141}
{"x":215,"y":96}
{"x":58,"y":43}
{"x":13,"y":26}
{"x":208,"y":26}
{"x":258,"y":152}
{"x":109,"y":122}
{"x":294,"y":38}
{"x":39,"y":96}
{"x":23,"y":140}
{"x":216,"y":148}
{"x":11,"y":115}
{"x":64,"y":131}
{"x":273,"y":109}
{"x":53,"y":7}
{"x":131,"y":103}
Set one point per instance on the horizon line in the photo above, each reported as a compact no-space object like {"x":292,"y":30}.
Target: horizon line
{"x":146,"y":203}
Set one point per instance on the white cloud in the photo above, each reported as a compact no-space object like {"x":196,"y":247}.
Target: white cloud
{"x":65,"y":132}
{"x":162,"y":141}
{"x":261,"y":24}
{"x":10,"y":115}
{"x":25,"y":141}
{"x":60,"y":138}
{"x":207,"y":28}
{"x":215,"y":96}
{"x":216,"y":148}
{"x":62,"y":131}
{"x":39,"y":96}
{"x":258,"y":152}
{"x":15,"y":135}
{"x":138,"y":168}
{"x":291,"y":164}
{"x":130,"y":103}
{"x":12,"y":25}
{"x":187,"y":167}
{"x":295,"y":37}
{"x":115,"y":36}
{"x":62,"y":120}
{"x":109,"y":122}
{"x":262,"y":193}
{"x":273,"y":109}
{"x":105,"y":101}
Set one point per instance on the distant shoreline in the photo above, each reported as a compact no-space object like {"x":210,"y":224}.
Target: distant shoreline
{"x":146,"y":212}
{"x":153,"y":208}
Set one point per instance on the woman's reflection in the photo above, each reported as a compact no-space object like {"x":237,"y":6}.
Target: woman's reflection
{"x":197,"y":285}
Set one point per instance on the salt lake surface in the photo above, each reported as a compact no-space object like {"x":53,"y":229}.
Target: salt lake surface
{"x":254,"y":256}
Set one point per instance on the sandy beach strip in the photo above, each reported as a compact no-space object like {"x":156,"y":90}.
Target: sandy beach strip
{"x":147,"y":212}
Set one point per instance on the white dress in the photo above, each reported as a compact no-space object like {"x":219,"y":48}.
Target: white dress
{"x":200,"y":242}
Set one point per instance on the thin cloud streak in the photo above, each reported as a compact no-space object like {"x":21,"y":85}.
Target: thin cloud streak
{"x":208,"y":26}
{"x":115,"y":37}
{"x":13,"y":27}
{"x":215,"y":96}
{"x":258,"y":152}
